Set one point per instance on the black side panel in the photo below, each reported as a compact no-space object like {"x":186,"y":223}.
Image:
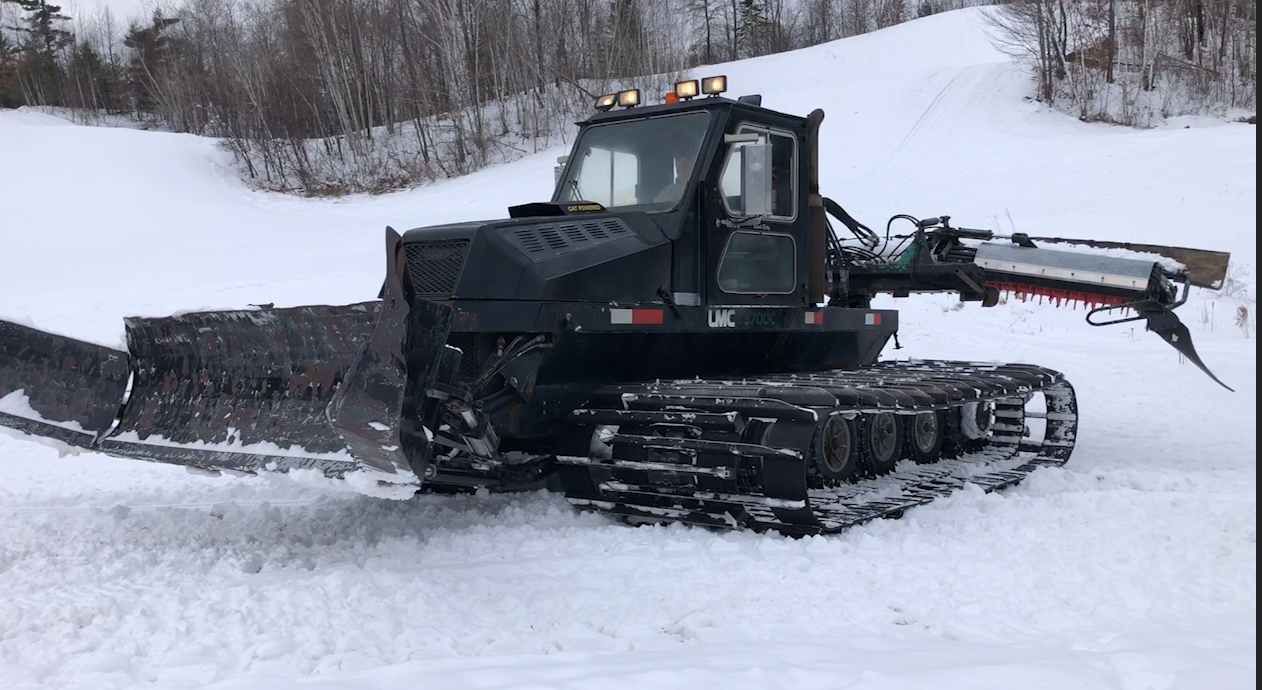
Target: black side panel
{"x":70,"y":381}
{"x":589,"y":258}
{"x":579,"y":363}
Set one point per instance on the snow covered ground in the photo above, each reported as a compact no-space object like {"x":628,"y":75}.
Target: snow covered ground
{"x":1132,"y":568}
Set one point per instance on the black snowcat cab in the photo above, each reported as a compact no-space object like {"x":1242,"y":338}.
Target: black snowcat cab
{"x":677,"y":335}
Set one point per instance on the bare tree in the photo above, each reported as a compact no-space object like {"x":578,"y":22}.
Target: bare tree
{"x":1134,"y":61}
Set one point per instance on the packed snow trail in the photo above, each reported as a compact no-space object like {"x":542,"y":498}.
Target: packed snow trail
{"x":1132,"y":567}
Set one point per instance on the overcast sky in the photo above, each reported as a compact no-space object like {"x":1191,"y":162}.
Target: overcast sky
{"x":122,"y":9}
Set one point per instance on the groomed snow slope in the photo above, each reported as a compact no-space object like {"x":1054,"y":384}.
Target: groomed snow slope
{"x":1134,"y":567}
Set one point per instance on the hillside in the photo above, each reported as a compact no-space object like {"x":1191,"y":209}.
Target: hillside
{"x":1132,"y":567}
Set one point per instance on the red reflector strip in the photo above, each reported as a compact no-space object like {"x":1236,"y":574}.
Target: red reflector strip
{"x":814,"y":318}
{"x":635,"y":316}
{"x":872,"y":319}
{"x":646,"y":316}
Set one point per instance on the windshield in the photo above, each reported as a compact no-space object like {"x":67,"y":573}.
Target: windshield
{"x":638,"y":163}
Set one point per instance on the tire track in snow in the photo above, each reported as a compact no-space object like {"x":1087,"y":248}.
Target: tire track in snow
{"x":939,"y":125}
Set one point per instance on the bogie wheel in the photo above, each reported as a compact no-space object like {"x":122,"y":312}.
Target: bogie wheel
{"x":836,"y":453}
{"x":925,"y":432}
{"x":881,"y":441}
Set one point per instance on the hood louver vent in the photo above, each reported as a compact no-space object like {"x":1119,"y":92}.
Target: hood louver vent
{"x":539,"y":242}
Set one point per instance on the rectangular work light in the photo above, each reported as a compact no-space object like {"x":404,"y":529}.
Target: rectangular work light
{"x":713,"y":86}
{"x":606,"y":101}
{"x":629,"y":98}
{"x":686,"y":89}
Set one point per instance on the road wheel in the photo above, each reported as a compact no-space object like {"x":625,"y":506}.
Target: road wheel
{"x":924,"y":437}
{"x":881,"y":439}
{"x":836,"y":456}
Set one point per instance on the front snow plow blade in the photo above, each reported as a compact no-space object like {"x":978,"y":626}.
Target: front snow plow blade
{"x":242,"y":390}
{"x":57,"y":387}
{"x":314,"y":387}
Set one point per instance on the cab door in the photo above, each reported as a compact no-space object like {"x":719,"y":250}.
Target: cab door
{"x":754,"y":242}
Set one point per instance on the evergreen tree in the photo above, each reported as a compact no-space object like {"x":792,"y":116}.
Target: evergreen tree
{"x":150,"y":48}
{"x":10,"y":92}
{"x":753,"y":28}
{"x":36,"y":69}
{"x":89,"y":77}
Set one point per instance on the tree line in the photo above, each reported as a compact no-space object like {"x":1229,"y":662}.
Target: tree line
{"x":1134,"y":61}
{"x":333,"y":96}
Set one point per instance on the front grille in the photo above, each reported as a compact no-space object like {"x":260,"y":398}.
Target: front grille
{"x":434,"y":265}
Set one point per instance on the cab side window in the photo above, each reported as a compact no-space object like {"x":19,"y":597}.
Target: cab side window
{"x":758,"y":263}
{"x":783,"y":174}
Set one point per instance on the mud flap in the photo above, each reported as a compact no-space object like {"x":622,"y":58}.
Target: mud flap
{"x":58,"y":387}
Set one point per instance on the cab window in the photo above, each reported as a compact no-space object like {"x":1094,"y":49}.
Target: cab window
{"x":758,"y":263}
{"x":635,"y":164}
{"x":783,"y":174}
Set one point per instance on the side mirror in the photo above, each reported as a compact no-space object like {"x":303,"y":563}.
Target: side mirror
{"x":756,"y":195}
{"x":559,"y":169}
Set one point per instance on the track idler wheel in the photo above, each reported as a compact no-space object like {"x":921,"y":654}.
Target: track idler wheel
{"x":925,"y":432}
{"x":836,"y":452}
{"x":976,"y":420}
{"x":880,"y":442}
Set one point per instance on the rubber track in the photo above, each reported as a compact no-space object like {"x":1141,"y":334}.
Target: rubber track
{"x":676,"y":459}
